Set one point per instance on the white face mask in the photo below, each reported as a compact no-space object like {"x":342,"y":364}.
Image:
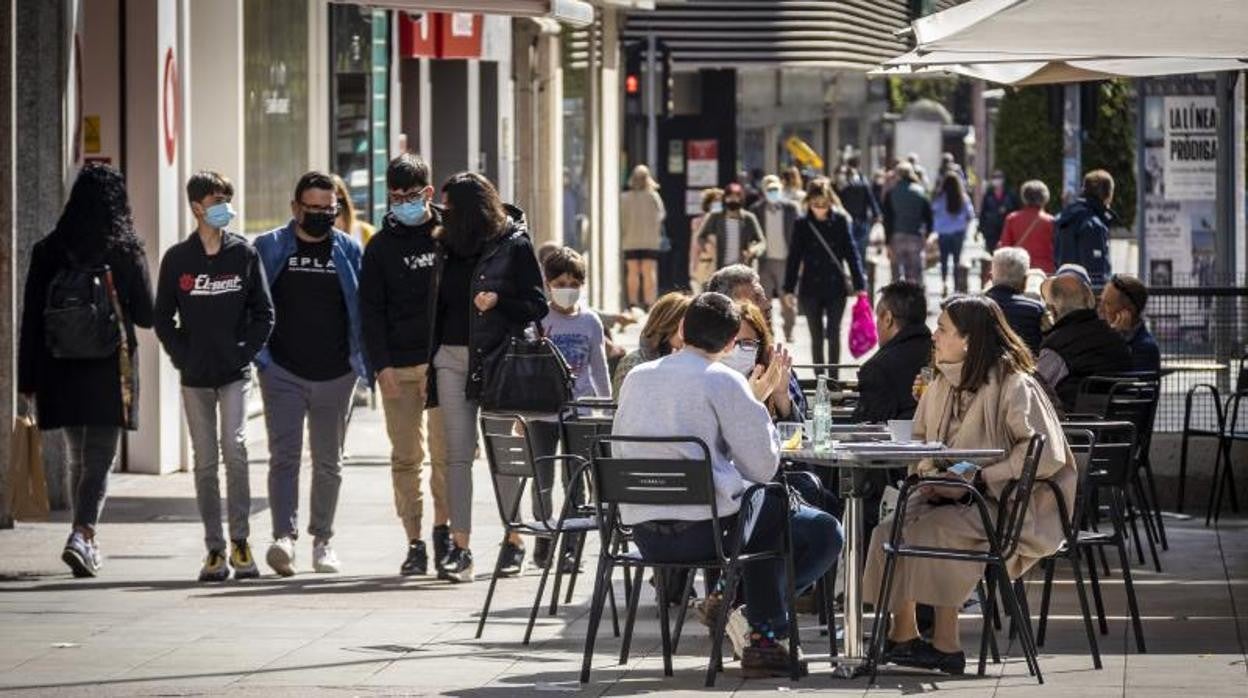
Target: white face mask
{"x":740,"y":360}
{"x":565,"y":298}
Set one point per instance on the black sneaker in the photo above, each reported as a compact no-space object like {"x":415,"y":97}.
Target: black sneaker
{"x":567,"y":562}
{"x":513,"y":560}
{"x":441,"y":546}
{"x":457,"y":567}
{"x":417,"y":562}
{"x":923,"y":655}
{"x":901,"y":652}
{"x":541,"y":553}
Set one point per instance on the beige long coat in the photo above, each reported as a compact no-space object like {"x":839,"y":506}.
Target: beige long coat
{"x":1005,"y":413}
{"x":641,"y":215}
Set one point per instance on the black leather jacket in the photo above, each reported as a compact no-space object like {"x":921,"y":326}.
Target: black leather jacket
{"x":508,"y":267}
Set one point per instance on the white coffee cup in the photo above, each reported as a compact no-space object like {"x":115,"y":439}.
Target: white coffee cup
{"x":902,"y":430}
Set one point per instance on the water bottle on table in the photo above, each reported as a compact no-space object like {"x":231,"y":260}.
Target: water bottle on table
{"x":821,"y":439}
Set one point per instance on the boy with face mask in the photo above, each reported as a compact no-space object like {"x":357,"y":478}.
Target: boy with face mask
{"x":213,"y":284}
{"x":395,"y":280}
{"x":578,"y":334}
{"x":309,"y":369}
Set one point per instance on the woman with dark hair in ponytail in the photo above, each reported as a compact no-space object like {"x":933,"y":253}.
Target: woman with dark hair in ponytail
{"x":86,"y":291}
{"x":488,"y":288}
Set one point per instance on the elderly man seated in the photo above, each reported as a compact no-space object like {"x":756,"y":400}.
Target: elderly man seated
{"x":1122,"y":307}
{"x":692,"y":393}
{"x":1080,"y":343}
{"x":1009,"y":281}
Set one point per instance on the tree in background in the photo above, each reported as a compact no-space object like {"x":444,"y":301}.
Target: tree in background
{"x":1027,"y":144}
{"x":1109,"y":143}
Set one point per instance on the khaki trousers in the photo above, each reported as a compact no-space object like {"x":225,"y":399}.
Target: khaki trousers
{"x":405,"y":424}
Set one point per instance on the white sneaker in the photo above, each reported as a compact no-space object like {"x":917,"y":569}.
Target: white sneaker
{"x":738,"y":631}
{"x":281,"y":556}
{"x":324,"y":560}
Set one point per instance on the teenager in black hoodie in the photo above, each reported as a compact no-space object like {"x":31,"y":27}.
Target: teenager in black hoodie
{"x":214,"y":283}
{"x":395,"y":282}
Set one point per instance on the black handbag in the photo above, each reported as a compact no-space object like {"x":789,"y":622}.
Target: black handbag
{"x":527,"y":374}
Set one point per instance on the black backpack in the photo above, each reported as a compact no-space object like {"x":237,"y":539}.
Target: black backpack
{"x":78,"y":316}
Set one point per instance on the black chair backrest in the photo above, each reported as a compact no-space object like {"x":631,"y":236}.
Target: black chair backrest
{"x":1020,"y":497}
{"x":1135,"y":402}
{"x":1111,"y":455}
{"x":510,"y":456}
{"x":1081,"y":442}
{"x":581,"y":434}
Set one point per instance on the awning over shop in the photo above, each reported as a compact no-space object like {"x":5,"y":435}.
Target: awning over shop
{"x":1078,"y":28}
{"x":573,"y":12}
{"x":1051,"y":69}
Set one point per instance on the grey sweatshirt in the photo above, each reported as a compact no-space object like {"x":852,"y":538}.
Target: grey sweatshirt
{"x":686,"y":394}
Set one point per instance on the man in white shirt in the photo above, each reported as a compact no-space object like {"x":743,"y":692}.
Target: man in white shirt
{"x":691,"y":393}
{"x":778,"y":215}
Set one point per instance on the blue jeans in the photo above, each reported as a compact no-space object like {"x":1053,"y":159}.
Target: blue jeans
{"x":861,"y":231}
{"x":817,"y":541}
{"x":950,"y":248}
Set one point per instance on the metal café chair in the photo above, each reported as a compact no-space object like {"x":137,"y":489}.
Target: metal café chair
{"x":510,"y":458}
{"x":673,"y":482}
{"x":1130,"y":399}
{"x":1003,"y":539}
{"x":1223,"y":479}
{"x":1093,"y":445}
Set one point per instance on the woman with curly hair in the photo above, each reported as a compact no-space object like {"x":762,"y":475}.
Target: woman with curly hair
{"x":86,"y":291}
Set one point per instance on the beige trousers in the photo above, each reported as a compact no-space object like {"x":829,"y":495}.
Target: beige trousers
{"x":405,"y":424}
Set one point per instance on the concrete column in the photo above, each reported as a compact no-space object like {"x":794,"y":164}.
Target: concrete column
{"x":153,"y":83}
{"x":318,"y":86}
{"x":524,"y":35}
{"x":452,"y":120}
{"x":546,"y":221}
{"x":8,"y":247}
{"x":607,"y":246}
{"x":214,"y":121}
{"x":41,"y":68}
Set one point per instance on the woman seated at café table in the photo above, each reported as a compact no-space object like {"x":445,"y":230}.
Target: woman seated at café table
{"x":984,"y":396}
{"x":756,"y":354}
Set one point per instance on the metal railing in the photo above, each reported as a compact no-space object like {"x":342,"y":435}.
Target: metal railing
{"x":1202,"y":331}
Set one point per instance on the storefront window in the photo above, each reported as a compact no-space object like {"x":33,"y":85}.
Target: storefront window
{"x":276,"y":122}
{"x":360,"y":45}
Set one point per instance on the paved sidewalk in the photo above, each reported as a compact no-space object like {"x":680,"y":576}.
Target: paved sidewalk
{"x":145,"y":627}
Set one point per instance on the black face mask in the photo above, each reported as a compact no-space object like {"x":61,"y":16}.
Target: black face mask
{"x":732,"y":205}
{"x":317,"y":223}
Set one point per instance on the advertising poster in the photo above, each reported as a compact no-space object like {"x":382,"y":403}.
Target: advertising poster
{"x":702,"y":163}
{"x":1191,"y":142}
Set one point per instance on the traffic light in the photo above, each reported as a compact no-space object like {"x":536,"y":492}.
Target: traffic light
{"x":634,"y":104}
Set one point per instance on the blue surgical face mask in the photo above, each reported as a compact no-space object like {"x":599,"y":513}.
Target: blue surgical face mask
{"x":219,"y":215}
{"x":775,"y":196}
{"x":717,"y":207}
{"x":409,"y":212}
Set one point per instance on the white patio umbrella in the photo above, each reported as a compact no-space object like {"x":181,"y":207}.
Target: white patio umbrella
{"x":1051,"y":69}
{"x":1014,"y":30}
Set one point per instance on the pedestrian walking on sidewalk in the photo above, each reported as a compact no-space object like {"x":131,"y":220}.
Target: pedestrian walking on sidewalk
{"x":309,"y":369}
{"x":213,"y":314}
{"x":777,"y":214}
{"x":735,"y":232}
{"x":952,"y":214}
{"x":1082,"y":228}
{"x":907,"y":220}
{"x":86,"y":290}
{"x":641,"y":237}
{"x":823,"y":252}
{"x":395,"y":282}
{"x":488,"y":290}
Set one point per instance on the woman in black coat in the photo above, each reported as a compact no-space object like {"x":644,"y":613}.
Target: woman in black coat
{"x":822,"y":246}
{"x":487,"y":289}
{"x":91,"y":399}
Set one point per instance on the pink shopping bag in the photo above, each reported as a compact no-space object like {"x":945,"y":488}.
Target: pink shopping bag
{"x":862,"y":334}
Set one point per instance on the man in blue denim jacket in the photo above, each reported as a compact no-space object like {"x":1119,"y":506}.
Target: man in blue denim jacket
{"x":310,"y":366}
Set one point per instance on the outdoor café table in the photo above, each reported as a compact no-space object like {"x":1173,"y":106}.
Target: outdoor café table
{"x":854,"y":460}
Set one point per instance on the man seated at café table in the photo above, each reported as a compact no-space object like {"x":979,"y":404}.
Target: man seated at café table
{"x":984,"y":395}
{"x":886,"y":380}
{"x":1122,"y":308}
{"x":1080,"y":343}
{"x":1009,"y":281}
{"x":693,"y":393}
